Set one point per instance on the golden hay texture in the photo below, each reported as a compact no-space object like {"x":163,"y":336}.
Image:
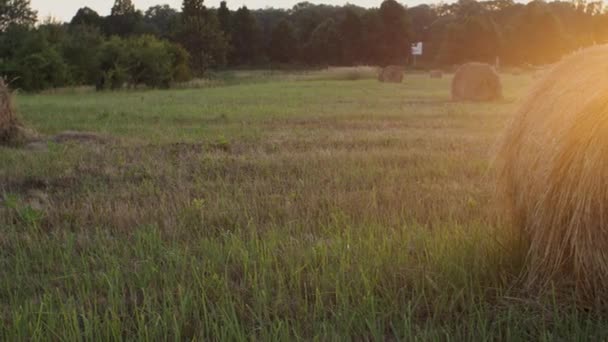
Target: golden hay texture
{"x":7,"y":116}
{"x":436,"y":74}
{"x":11,"y":131}
{"x":391,"y":74}
{"x":476,"y":82}
{"x":553,"y":166}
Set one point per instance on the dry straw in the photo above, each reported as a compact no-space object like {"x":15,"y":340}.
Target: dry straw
{"x":476,"y":82}
{"x":11,"y":131}
{"x":553,"y":173}
{"x":391,"y":74}
{"x":8,"y":121}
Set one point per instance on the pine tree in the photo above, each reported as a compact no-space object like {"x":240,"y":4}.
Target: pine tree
{"x":201,"y":36}
{"x":283,"y":45}
{"x":223,"y":15}
{"x":395,"y":38}
{"x":246,"y":37}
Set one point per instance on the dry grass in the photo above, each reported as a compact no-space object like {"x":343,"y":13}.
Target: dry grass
{"x":391,"y":74}
{"x":281,"y":210}
{"x":436,"y":74}
{"x":553,"y":163}
{"x":476,"y":82}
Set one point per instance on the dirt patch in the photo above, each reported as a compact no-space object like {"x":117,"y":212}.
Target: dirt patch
{"x":40,"y":143}
{"x":78,"y":137}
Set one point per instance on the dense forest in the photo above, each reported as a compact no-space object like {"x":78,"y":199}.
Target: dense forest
{"x":162,"y":45}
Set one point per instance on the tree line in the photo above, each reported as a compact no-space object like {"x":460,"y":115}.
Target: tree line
{"x":162,"y":45}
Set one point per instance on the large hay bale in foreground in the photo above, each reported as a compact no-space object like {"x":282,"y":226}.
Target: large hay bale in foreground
{"x":476,"y":82}
{"x":8,"y":120}
{"x":553,"y":168}
{"x":11,"y":131}
{"x":391,"y":74}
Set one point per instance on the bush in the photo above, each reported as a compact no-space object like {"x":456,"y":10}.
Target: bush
{"x":113,"y":72}
{"x":81,"y":53}
{"x":42,"y":70}
{"x":143,"y":60}
{"x":149,"y":62}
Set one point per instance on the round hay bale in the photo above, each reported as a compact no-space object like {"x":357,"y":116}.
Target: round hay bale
{"x":7,"y":116}
{"x":436,"y":74}
{"x":476,"y":82}
{"x":552,"y":165}
{"x":391,"y":74}
{"x":12,"y":133}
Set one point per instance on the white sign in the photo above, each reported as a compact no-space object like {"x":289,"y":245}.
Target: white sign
{"x":417,"y":49}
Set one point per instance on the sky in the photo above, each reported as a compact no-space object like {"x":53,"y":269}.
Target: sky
{"x":65,"y":9}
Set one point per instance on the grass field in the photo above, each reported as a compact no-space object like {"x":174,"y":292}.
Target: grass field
{"x":290,"y":208}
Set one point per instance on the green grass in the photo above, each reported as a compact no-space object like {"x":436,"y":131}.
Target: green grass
{"x":293,"y":208}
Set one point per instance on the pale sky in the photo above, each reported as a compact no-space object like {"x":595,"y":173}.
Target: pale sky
{"x":65,"y":9}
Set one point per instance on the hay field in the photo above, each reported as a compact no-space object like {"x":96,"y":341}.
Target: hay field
{"x":290,"y":208}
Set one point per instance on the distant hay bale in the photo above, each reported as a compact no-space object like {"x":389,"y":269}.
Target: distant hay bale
{"x":391,"y":74}
{"x":552,"y":165}
{"x":476,"y":82}
{"x":436,"y":74}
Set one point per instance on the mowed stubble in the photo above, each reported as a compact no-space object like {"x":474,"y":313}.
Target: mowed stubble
{"x":286,"y":208}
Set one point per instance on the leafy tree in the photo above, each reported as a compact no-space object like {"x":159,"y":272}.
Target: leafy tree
{"x":11,"y":46}
{"x":538,"y":36}
{"x":395,"y":38}
{"x":122,"y":7}
{"x":80,"y":51}
{"x":283,"y":45}
{"x":372,"y":37}
{"x":33,"y":62}
{"x":42,"y":70}
{"x":149,"y":61}
{"x":351,"y":33}
{"x":113,"y":65}
{"x":223,"y":15}
{"x":124,"y":20}
{"x":325,"y":43}
{"x":246,"y":39}
{"x":193,"y":8}
{"x":422,"y":18}
{"x":161,"y":20}
{"x":16,"y":12}
{"x":471,"y":38}
{"x":142,"y":60}
{"x":199,"y":33}
{"x":306,"y":17}
{"x":180,"y":63}
{"x":87,"y":17}
{"x":53,"y":31}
